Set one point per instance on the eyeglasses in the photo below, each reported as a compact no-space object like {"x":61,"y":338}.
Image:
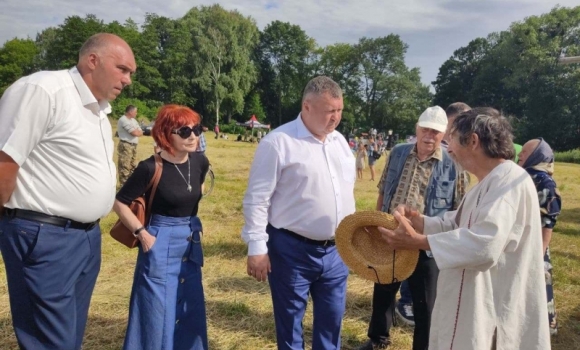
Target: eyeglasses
{"x":185,"y":131}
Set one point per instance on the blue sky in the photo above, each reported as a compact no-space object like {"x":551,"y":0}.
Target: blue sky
{"x":433,"y":29}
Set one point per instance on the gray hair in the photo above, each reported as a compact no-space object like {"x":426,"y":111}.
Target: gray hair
{"x":320,"y":85}
{"x":493,"y":129}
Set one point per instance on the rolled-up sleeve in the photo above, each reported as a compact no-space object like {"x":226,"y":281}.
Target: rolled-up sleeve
{"x":264,"y":175}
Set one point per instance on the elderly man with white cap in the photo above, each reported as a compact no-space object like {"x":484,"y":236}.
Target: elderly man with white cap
{"x":421,"y":175}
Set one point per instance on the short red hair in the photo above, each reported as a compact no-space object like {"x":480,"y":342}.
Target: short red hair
{"x":169,"y":118}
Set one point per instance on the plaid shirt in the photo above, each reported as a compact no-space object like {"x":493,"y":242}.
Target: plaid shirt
{"x":202,"y":143}
{"x":415,"y":179}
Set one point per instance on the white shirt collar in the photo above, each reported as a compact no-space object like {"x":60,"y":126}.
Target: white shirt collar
{"x":87,"y":97}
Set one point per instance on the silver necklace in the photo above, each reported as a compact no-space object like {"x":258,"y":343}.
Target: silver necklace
{"x":188,"y":182}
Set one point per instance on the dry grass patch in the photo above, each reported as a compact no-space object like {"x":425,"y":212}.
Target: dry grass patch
{"x":239,"y":309}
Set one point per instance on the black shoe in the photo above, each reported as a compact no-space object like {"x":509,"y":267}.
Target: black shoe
{"x":370,"y":345}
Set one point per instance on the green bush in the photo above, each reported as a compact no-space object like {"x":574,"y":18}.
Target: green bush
{"x":232,"y":128}
{"x":572,"y":156}
{"x":145,"y":109}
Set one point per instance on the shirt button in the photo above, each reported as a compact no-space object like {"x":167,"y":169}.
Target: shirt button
{"x":184,"y":259}
{"x":182,"y":280}
{"x":177,"y":321}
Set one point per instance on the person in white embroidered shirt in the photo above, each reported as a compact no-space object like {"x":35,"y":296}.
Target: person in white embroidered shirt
{"x":490,"y":291}
{"x":57,"y":179}
{"x":301,"y":185}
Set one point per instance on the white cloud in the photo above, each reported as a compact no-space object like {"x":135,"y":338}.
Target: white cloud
{"x":324,"y":17}
{"x":325,"y":20}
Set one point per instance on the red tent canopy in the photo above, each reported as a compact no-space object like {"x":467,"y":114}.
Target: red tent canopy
{"x":255,"y":124}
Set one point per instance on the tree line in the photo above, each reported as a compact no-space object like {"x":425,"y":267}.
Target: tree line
{"x":219,"y":63}
{"x":517,"y":71}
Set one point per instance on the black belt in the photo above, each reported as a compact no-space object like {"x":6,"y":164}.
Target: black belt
{"x":325,"y":243}
{"x":49,"y":219}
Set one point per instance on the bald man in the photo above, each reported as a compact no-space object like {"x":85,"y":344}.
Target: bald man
{"x":57,"y":179}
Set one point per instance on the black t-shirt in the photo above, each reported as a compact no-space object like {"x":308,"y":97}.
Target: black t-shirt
{"x":172,"y":197}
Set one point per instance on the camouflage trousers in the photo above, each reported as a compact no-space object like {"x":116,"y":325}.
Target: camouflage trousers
{"x":127,"y":161}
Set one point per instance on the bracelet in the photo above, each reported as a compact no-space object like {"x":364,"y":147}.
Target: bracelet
{"x":137,"y":231}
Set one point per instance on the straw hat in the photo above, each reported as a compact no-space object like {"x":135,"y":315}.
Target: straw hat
{"x":368,"y":254}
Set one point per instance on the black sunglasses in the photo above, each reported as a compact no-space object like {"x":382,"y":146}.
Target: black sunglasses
{"x":185,"y":131}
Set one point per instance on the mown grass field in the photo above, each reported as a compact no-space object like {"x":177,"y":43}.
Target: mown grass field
{"x":239,"y":309}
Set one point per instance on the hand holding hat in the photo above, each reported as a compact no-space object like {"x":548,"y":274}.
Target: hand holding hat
{"x":363,"y":249}
{"x":404,"y":236}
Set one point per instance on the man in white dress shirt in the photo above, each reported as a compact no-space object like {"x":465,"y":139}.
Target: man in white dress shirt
{"x":301,"y":186}
{"x":490,"y":291}
{"x":57,"y":179}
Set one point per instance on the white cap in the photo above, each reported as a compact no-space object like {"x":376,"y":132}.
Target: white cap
{"x":434,"y":118}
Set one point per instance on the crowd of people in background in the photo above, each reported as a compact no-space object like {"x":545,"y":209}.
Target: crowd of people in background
{"x":484,"y":275}
{"x":368,"y":148}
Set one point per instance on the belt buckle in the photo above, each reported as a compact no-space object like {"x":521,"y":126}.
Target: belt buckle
{"x":326,"y":243}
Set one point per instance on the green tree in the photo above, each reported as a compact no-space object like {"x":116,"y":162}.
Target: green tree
{"x":517,"y":72}
{"x":145,"y":109}
{"x":151,"y":53}
{"x":67,"y":39}
{"x":16,"y":59}
{"x":223,"y":70}
{"x":284,"y":55}
{"x":253,"y":106}
{"x":393,"y":95}
{"x":457,"y":74}
{"x":44,"y":41}
{"x":341,"y":62}
{"x":129,"y":31}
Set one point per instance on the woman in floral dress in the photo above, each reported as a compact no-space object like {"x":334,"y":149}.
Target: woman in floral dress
{"x":538,"y":159}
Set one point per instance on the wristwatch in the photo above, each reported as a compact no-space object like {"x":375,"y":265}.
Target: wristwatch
{"x":136,"y":233}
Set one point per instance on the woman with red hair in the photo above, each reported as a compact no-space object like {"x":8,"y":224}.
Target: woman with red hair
{"x":167,"y":308}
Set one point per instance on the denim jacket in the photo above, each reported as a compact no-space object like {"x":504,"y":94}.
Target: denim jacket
{"x":440,"y":190}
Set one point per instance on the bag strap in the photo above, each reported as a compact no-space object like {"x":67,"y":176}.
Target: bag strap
{"x":153,"y":184}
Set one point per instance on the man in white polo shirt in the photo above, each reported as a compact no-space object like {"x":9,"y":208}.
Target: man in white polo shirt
{"x":301,"y":186}
{"x":57,"y":179}
{"x":129,"y":132}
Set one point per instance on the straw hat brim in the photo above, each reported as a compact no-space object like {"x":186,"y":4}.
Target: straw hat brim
{"x":367,"y":254}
